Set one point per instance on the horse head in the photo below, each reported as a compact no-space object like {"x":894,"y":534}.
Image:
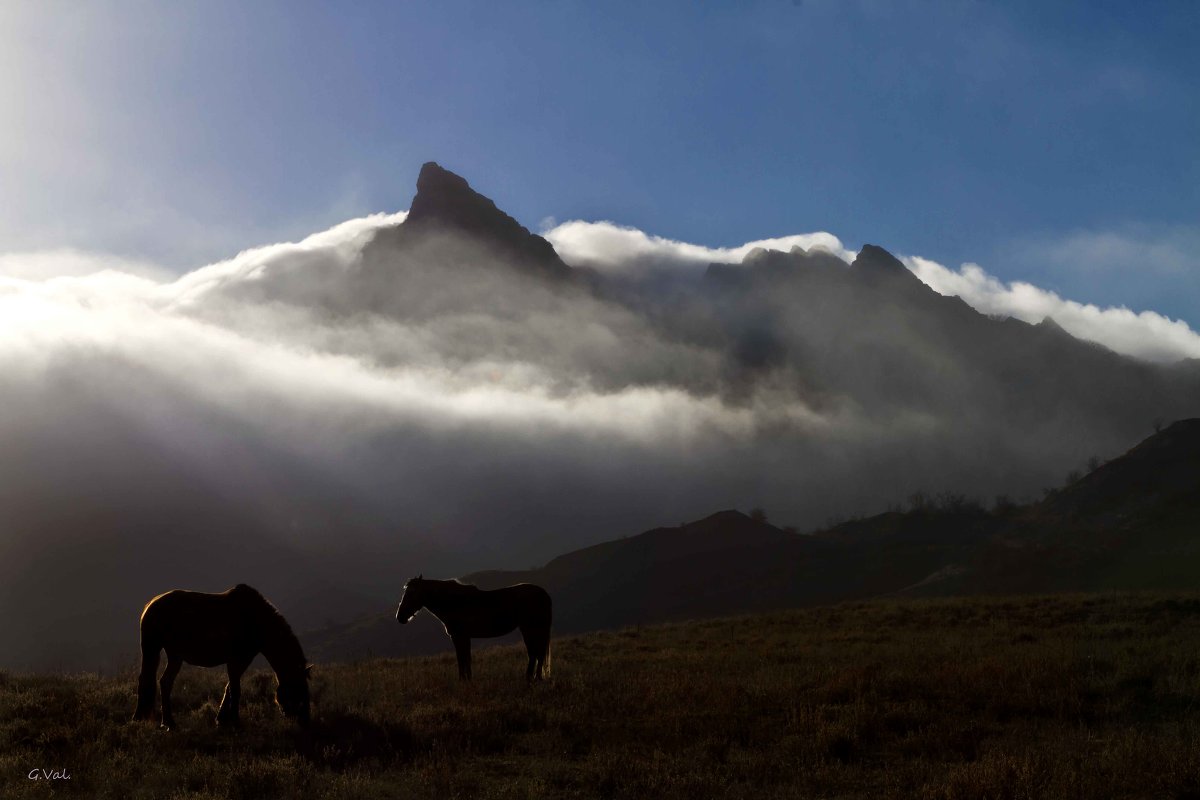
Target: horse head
{"x":412,"y":601}
{"x":292,"y":694}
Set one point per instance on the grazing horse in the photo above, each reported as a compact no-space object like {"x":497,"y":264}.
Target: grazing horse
{"x":231,"y":627}
{"x":467,"y":611}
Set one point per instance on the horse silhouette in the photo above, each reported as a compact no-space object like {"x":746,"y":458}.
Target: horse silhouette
{"x":230,"y":627}
{"x":469,"y":612}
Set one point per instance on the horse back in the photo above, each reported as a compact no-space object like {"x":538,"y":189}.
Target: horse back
{"x":529,"y":596}
{"x":201,"y":628}
{"x":494,"y":613}
{"x":526,"y":603}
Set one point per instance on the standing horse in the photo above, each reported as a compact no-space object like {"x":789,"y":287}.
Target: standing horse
{"x":468,"y":611}
{"x":231,"y":628}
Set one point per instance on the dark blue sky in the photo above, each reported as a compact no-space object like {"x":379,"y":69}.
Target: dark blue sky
{"x":1052,"y":142}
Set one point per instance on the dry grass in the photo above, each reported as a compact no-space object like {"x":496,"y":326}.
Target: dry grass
{"x":1072,"y":697}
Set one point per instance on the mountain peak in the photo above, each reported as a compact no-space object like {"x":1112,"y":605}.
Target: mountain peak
{"x":880,"y":268}
{"x":444,"y":196}
{"x":875,"y":259}
{"x":445,"y":201}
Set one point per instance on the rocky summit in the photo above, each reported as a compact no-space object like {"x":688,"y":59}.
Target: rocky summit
{"x":446,"y":203}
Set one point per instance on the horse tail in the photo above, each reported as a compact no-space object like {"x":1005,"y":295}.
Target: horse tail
{"x":151,"y":645}
{"x":147,"y":686}
{"x":549,"y":623}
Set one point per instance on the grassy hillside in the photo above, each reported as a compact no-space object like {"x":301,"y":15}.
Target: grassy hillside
{"x":1045,"y":697}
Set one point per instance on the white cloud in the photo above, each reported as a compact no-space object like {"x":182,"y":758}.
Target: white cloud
{"x":1148,"y":335}
{"x":64,"y":262}
{"x":335,"y":247}
{"x":1170,"y":251}
{"x":623,"y":250}
{"x":582,"y":372}
{"x":1144,"y":334}
{"x":111,"y":313}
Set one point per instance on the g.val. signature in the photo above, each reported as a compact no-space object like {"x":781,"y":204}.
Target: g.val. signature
{"x":41,"y":774}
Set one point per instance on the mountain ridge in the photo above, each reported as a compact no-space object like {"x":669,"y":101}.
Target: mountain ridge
{"x":729,"y":563}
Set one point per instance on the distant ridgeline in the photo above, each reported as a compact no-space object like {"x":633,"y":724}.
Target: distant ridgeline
{"x":1130,"y":524}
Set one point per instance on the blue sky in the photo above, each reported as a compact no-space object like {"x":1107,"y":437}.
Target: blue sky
{"x":1055,"y":143}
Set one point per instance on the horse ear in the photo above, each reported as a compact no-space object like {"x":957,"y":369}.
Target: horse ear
{"x":421,"y":576}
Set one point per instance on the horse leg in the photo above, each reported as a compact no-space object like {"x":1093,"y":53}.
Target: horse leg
{"x":165,"y":683}
{"x":532,"y":651}
{"x":227,"y":714}
{"x":462,"y":648}
{"x":538,"y":644}
{"x":147,"y":691}
{"x":543,"y":655}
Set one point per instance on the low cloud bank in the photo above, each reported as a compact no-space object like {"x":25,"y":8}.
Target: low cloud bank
{"x":68,"y":262}
{"x":1144,"y":334}
{"x":619,"y":249}
{"x":626,"y":251}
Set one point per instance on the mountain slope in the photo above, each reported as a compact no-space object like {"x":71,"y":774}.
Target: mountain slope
{"x":1159,"y":476}
{"x":1133,"y":523}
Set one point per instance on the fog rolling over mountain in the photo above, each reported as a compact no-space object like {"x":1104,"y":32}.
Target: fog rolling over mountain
{"x":443,"y":393}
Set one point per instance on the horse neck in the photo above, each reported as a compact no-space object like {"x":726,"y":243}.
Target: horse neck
{"x":444,"y":602}
{"x":282,"y":649}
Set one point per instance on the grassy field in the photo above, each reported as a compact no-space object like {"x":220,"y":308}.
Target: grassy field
{"x":1071,"y":697}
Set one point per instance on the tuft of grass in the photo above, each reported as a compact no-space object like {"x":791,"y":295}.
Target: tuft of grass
{"x":1031,"y":697}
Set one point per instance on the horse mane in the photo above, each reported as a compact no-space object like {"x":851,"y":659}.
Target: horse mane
{"x":453,"y":586}
{"x":279,"y":628}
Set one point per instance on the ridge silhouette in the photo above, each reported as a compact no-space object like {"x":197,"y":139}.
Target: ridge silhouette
{"x":728,"y":563}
